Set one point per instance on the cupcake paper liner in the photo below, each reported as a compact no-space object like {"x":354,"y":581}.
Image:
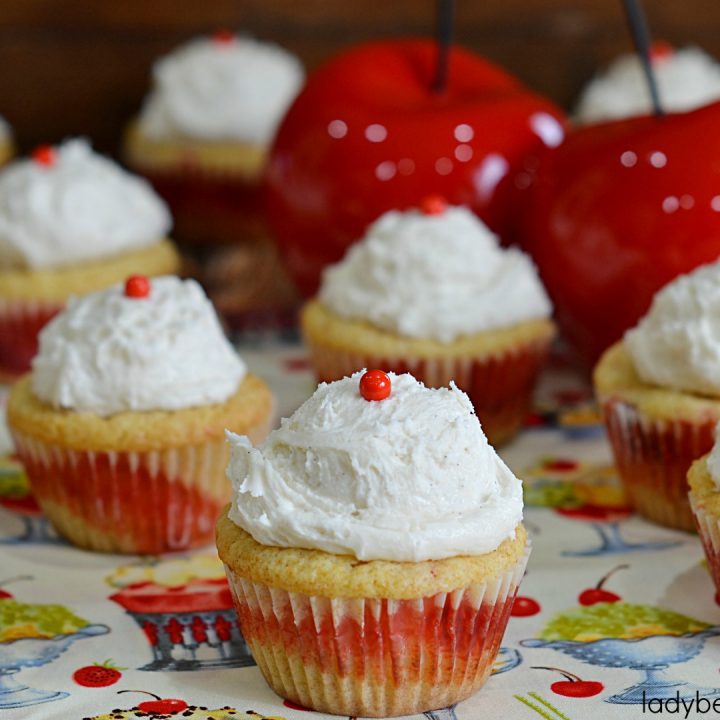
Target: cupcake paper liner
{"x":500,"y":385}
{"x":376,"y":657}
{"x":20,"y":323}
{"x":130,"y":502}
{"x":708,"y":527}
{"x":653,"y":457}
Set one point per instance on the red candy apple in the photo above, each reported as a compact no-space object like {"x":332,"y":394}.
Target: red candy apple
{"x":368,"y":134}
{"x":619,"y":210}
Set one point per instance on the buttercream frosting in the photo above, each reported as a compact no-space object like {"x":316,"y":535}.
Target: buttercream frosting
{"x":107,"y":353}
{"x":677,"y":344}
{"x":687,"y":79}
{"x":434,"y":277}
{"x":408,"y":478}
{"x":80,"y":208}
{"x":238,"y":89}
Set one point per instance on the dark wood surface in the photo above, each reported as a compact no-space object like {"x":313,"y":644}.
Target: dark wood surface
{"x":70,"y":67}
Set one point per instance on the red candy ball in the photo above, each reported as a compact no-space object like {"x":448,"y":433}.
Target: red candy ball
{"x":137,"y":286}
{"x":434,"y":205}
{"x":223,"y":37}
{"x":44,"y":155}
{"x":375,"y":385}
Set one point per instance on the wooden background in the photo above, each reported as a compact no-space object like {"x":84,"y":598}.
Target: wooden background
{"x":70,"y":67}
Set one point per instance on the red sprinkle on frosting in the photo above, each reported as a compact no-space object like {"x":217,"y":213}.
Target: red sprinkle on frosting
{"x":223,"y":37}
{"x":44,"y":155}
{"x":433,"y":205}
{"x":137,"y":286}
{"x":375,"y":385}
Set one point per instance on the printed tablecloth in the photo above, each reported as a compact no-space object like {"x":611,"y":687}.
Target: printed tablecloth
{"x":641,"y":642}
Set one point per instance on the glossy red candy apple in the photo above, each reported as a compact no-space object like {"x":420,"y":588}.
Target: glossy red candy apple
{"x":619,"y":210}
{"x":368,"y":134}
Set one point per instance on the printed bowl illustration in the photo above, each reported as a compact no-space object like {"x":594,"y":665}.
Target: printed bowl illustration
{"x":33,"y":652}
{"x":651,"y":655}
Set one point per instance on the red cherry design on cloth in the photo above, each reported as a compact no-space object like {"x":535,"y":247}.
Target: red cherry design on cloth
{"x":97,"y":675}
{"x":137,"y":286}
{"x":44,"y":155}
{"x":595,"y":595}
{"x":159,"y":706}
{"x":573,"y":686}
{"x":375,"y":385}
{"x":434,"y":205}
{"x":4,"y":594}
{"x":223,"y":37}
{"x":524,"y":607}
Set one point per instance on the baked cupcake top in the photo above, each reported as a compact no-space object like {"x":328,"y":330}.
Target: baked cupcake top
{"x":67,"y":204}
{"x":109,"y":352}
{"x":222,"y":87}
{"x":677,"y":344}
{"x":434,"y":276}
{"x":687,"y":79}
{"x":407,"y":478}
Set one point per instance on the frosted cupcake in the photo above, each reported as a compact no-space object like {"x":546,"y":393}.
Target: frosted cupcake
{"x":659,"y":389}
{"x":687,"y":79}
{"x":374,"y":547}
{"x":121,"y":423}
{"x":704,"y":482}
{"x":203,"y":137}
{"x":71,"y":222}
{"x":433,"y":293}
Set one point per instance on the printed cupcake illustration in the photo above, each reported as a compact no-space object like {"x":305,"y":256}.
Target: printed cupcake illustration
{"x":31,"y":635}
{"x":184,"y":608}
{"x":158,"y":707}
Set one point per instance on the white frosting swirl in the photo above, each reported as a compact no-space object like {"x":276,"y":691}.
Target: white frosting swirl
{"x":107,"y":353}
{"x":687,"y":79}
{"x":209,"y":90}
{"x":677,"y":344}
{"x":408,"y":478}
{"x":434,"y":277}
{"x":82,"y":207}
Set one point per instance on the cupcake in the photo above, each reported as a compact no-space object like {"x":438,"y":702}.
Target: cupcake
{"x":687,"y":79}
{"x":374,"y":548}
{"x":71,"y":222}
{"x":120,"y":425}
{"x":659,"y":389}
{"x":432,"y":293}
{"x":704,"y":482}
{"x":202,"y":138}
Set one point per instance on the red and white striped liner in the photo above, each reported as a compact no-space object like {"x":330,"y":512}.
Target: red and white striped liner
{"x":131,"y":502}
{"x":20,"y":323}
{"x":653,"y":457}
{"x":500,"y":385}
{"x":708,"y":526}
{"x":376,"y":657}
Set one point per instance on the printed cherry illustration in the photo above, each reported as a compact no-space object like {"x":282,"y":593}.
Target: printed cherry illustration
{"x":572,"y":686}
{"x":159,"y":706}
{"x":525,"y":607}
{"x":98,"y":674}
{"x":595,"y":595}
{"x":375,"y":385}
{"x":4,"y":594}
